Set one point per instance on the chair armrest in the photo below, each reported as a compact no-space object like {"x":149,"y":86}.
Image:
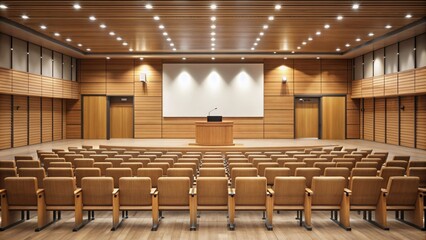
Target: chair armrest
{"x":153,"y":191}
{"x":270,"y":192}
{"x":347,"y":192}
{"x":115,"y":192}
{"x":77,"y":191}
{"x":193,"y":191}
{"x":231,"y":192}
{"x":2,"y":191}
{"x":40,"y":191}
{"x":423,"y":190}
{"x":384,"y":191}
{"x":309,"y":191}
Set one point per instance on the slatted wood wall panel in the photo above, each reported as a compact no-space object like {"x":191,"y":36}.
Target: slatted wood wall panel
{"x":20,"y":82}
{"x":334,"y":76}
{"x":407,"y":121}
{"x":379,"y":120}
{"x":120,"y":77}
{"x":47,"y":87}
{"x":57,"y":119}
{"x":379,"y":86}
{"x":35,"y":120}
{"x":5,"y":121}
{"x":93,"y":76}
{"x":307,"y":76}
{"x":406,"y":82}
{"x":46,"y":119}
{"x":20,"y":121}
{"x":367,"y":87}
{"x":420,"y":75}
{"x":64,"y":119}
{"x":391,"y":84}
{"x":392,"y":121}
{"x":57,"y":88}
{"x":6,"y":80}
{"x":421,"y":122}
{"x":356,"y":88}
{"x":34,"y":85}
{"x":369,"y":119}
{"x":73,"y":116}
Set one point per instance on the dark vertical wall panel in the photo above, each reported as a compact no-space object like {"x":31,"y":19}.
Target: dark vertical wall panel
{"x":74,"y":69}
{"x":66,"y":70}
{"x":5,"y":121}
{"x":368,"y":65}
{"x":391,"y":63}
{"x":358,"y":68}
{"x":406,"y":54}
{"x":57,"y":65}
{"x":34,"y":64}
{"x":421,"y":50}
{"x":47,"y":62}
{"x":5,"y":51}
{"x":19,"y":55}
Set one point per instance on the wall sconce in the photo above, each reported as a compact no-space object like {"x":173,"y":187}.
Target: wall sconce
{"x":142,"y":77}
{"x":17,"y":108}
{"x":284,"y":79}
{"x":402,"y":107}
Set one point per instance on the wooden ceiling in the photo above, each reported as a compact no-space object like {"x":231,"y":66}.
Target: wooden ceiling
{"x":238,"y":25}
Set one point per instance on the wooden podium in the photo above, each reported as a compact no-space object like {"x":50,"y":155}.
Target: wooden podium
{"x":214,"y":133}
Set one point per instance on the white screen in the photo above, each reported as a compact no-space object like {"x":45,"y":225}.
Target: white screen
{"x":192,"y":90}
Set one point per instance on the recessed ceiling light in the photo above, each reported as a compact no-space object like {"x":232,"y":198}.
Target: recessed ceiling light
{"x":310,"y":39}
{"x":213,"y":58}
{"x":141,"y":58}
{"x":277,"y":7}
{"x":258,"y":39}
{"x":242,"y":58}
{"x":43,"y":27}
{"x":102,"y":26}
{"x":285,"y":58}
{"x":213,"y":6}
{"x":125,"y":44}
{"x":161,"y":27}
{"x":255,"y":44}
{"x":130,"y":49}
{"x":213,"y":48}
{"x":275,"y":52}
{"x":112,"y":33}
{"x":165,"y":34}
{"x":371,"y":34}
{"x":184,"y":58}
{"x":408,"y":16}
{"x":156,"y":18}
{"x":88,"y":49}
{"x":298,"y":47}
{"x":358,"y":39}
{"x":388,"y":26}
{"x":169,"y":39}
{"x":326,"y":26}
{"x":174,"y":49}
{"x":213,"y":33}
{"x":172,"y":44}
{"x":213,"y":39}
{"x":80,"y":45}
{"x":68,"y":40}
{"x":213,"y":19}
{"x":265,"y":26}
{"x":2,"y":6}
{"x":340,"y":17}
{"x":271,"y":18}
{"x":318,"y":33}
{"x":355,"y":6}
{"x":347,"y":45}
{"x":119,"y":38}
{"x":213,"y":44}
{"x":292,"y":51}
{"x":108,"y":58}
{"x":252,"y":48}
{"x":338,"y":49}
{"x":57,"y":34}
{"x":213,"y":26}
{"x":92,"y":18}
{"x":148,"y":6}
{"x":24,"y":17}
{"x":261,"y":34}
{"x":76,"y":6}
{"x":304,"y":43}
{"x":318,"y":57}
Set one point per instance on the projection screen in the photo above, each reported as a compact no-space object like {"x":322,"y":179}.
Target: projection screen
{"x":192,"y":90}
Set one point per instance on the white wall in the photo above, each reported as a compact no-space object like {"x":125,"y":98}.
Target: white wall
{"x":192,"y":90}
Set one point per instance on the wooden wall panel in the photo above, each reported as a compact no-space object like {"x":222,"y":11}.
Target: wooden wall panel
{"x":421,"y":122}
{"x":307,"y":70}
{"x":121,"y":89}
{"x":148,"y":131}
{"x":284,"y":117}
{"x":57,"y":119}
{"x":47,"y":87}
{"x":66,"y":89}
{"x":367,"y":87}
{"x":92,"y":70}
{"x":57,"y":88}
{"x":90,"y":88}
{"x":420,"y":75}
{"x":379,"y":86}
{"x":46,"y":119}
{"x":356,"y":88}
{"x":380,"y":120}
{"x":334,"y":88}
{"x":34,"y":85}
{"x":75,"y":90}
{"x":406,"y":82}
{"x":392,"y":121}
{"x":333,"y":117}
{"x":334,"y":76}
{"x":64,"y":119}
{"x":279,"y":131}
{"x":279,"y":102}
{"x":273,"y":71}
{"x":6,"y":80}
{"x":369,"y":119}
{"x":94,"y":117}
{"x":407,"y":121}
{"x":148,"y":113}
{"x":307,"y":87}
{"x":5,"y":121}
{"x":120,"y":77}
{"x":391,"y":84}
{"x":20,"y":121}
{"x":19,"y":82}
{"x":153,"y":70}
{"x":248,"y":131}
{"x":35,"y":120}
{"x":352,"y":118}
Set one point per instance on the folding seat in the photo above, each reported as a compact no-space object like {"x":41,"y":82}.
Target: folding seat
{"x":110,"y":154}
{"x":170,"y":161}
{"x":99,"y":157}
{"x":282,"y":161}
{"x":357,"y":157}
{"x":397,"y":163}
{"x":228,"y":156}
{"x":134,"y":166}
{"x":212,"y":172}
{"x":182,"y":172}
{"x":251,"y":157}
{"x":311,"y":161}
{"x":338,"y":171}
{"x":47,"y":161}
{"x":405,"y":197}
{"x":38,"y":173}
{"x":27,"y":164}
{"x":401,"y":157}
{"x":387,"y":172}
{"x":291,"y":194}
{"x":269,"y":153}
{"x":98,"y":194}
{"x":211,"y":160}
{"x":233,"y":153}
{"x":81,"y":173}
{"x":253,"y":153}
{"x":300,"y":157}
{"x":87,"y":147}
{"x":61,"y":164}
{"x":212,"y":165}
{"x":118,"y":150}
{"x":308,"y":173}
{"x":324,"y":165}
{"x":86,"y":154}
{"x":330,"y":194}
{"x":195,"y":161}
{"x":7,"y":164}
{"x":416,"y":163}
{"x":382,"y":153}
{"x":140,"y":150}
{"x":292,"y":153}
{"x":44,"y":156}
{"x":366,"y":165}
{"x":198,"y":156}
{"x":75,"y":149}
{"x":150,"y":157}
{"x":327,"y":150}
{"x":363,"y":172}
{"x":293,"y":166}
{"x":275,"y":157}
{"x":379,"y":161}
{"x":70,"y":157}
{"x":214,"y":153}
{"x":103,"y":166}
{"x":61,"y":154}
{"x":83,"y":162}
{"x":132,"y":153}
{"x":350,"y":150}
{"x":61,"y":194}
{"x":263,"y":165}
{"x":383,"y":157}
{"x":152,"y":173}
{"x":418,"y":172}
{"x":173,"y":194}
{"x":41,"y":152}
{"x":329,"y":157}
{"x":347,"y":165}
{"x":237,"y":160}
{"x":368,"y":151}
{"x":193,"y":166}
{"x":250,"y":194}
{"x":140,"y":200}
{"x":22,"y":194}
{"x":317,"y":153}
{"x":363,"y":153}
{"x":367,"y":196}
{"x":6,"y":172}
{"x":156,"y":154}
{"x":242,"y":172}
{"x":317,"y":149}
{"x":211,"y":194}
{"x":60,"y":172}
{"x":239,"y":165}
{"x":256,"y":161}
{"x":116,"y":162}
{"x":350,"y":160}
{"x":117,"y":173}
{"x":272,"y":173}
{"x":338,"y":148}
{"x":144,"y":161}
{"x":339,"y":154}
{"x":124,"y":157}
{"x":175,"y":157}
{"x":178,"y":154}
{"x":23,"y":157}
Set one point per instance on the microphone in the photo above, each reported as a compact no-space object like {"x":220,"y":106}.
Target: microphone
{"x":212,"y":110}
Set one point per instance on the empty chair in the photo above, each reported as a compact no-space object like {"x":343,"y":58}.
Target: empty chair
{"x":98,"y":194}
{"x":347,"y":165}
{"x":182,"y":172}
{"x":125,"y":157}
{"x":149,"y":156}
{"x":282,"y":161}
{"x":237,"y":160}
{"x":163,"y":166}
{"x":117,"y":173}
{"x":152,"y":173}
{"x":256,"y":161}
{"x":132,"y":153}
{"x":70,"y":157}
{"x":211,"y":160}
{"x":239,"y":165}
{"x":262,"y":166}
{"x":357,"y":157}
{"x":193,"y":166}
{"x":242,"y":172}
{"x":293,"y":166}
{"x":47,"y":155}
{"x":337,"y":148}
{"x":250,"y":193}
{"x":308,"y":173}
{"x":83,"y":162}
{"x":60,"y":172}
{"x":61,"y":164}
{"x":301,"y":157}
{"x":311,"y":161}
{"x":251,"y":157}
{"x":212,"y":165}
{"x":317,"y":153}
{"x":6,"y":172}
{"x":338,"y":171}
{"x":418,"y":172}
{"x":363,"y":153}
{"x":144,"y":161}
{"x":350,"y":150}
{"x":48,"y":161}
{"x":61,"y":154}
{"x":401,"y":157}
{"x":367,"y":172}
{"x":22,"y":194}
{"x":170,"y":161}
{"x":387,"y":172}
{"x":212,"y":172}
{"x":272,"y":173}
{"x":382,"y":153}
{"x":27,"y":163}
{"x":397,"y":163}
{"x":40,"y":152}
{"x":87,"y":147}
{"x":366,"y":165}
{"x":81,"y":173}
{"x":38,"y":173}
{"x":292,"y":153}
{"x":103,"y":166}
{"x":23,"y":157}
{"x":291,"y":194}
{"x":339,"y":154}
{"x":173,"y":194}
{"x":324,"y":165}
{"x":110,"y":154}
{"x":116,"y":162}
{"x":412,"y":163}
{"x":330,"y":194}
{"x":378,"y":161}
{"x":329,"y":157}
{"x":7,"y":164}
{"x":98,"y":157}
{"x":368,"y":151}
{"x":194,"y":161}
{"x":134,"y":166}
{"x":87,"y":154}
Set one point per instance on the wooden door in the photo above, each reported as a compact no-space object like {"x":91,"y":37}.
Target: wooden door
{"x":121,"y":119}
{"x":94,"y":117}
{"x":307,"y":117}
{"x":333,"y":119}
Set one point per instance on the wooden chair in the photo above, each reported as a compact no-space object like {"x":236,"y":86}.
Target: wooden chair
{"x":193,"y":166}
{"x":366,"y":165}
{"x":152,"y":173}
{"x":182,"y":172}
{"x":38,"y":173}
{"x":418,"y":172}
{"x":242,"y":172}
{"x":416,"y":163}
{"x":144,"y":161}
{"x":397,"y":163}
{"x":110,"y":154}
{"x":293,"y":166}
{"x":163,"y":166}
{"x":117,"y":173}
{"x":61,"y":164}
{"x":338,"y":171}
{"x":401,"y":157}
{"x":48,"y":161}
{"x":272,"y":173}
{"x":387,"y":172}
{"x":7,"y":164}
{"x":170,"y":161}
{"x":83,"y":162}
{"x":308,"y":173}
{"x":87,"y":154}
{"x":347,"y":165}
{"x":60,"y":172}
{"x":70,"y":157}
{"x":125,"y":157}
{"x":256,"y":161}
{"x":212,"y":165}
{"x":329,"y":157}
{"x":350,"y":150}
{"x":23,"y":157}
{"x":98,"y":194}
{"x":81,"y":173}
{"x":27,"y":164}
{"x":212,"y":172}
{"x":103,"y":166}
{"x":6,"y":172}
{"x":331,"y":195}
{"x":291,"y":194}
{"x":116,"y":162}
{"x":301,"y":157}
{"x":187,"y":160}
{"x":363,"y":172}
{"x":132,"y":165}
{"x":324,"y":165}
{"x":262,"y":166}
{"x":275,"y":157}
{"x":250,"y":194}
{"x":237,"y":160}
{"x":173,"y":193}
{"x":132,"y":153}
{"x":378,"y":161}
{"x":98,"y":157}
{"x":311,"y":161}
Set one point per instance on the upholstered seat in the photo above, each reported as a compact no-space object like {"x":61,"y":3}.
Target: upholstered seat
{"x":387,"y":172}
{"x":132,"y":165}
{"x":81,"y":173}
{"x":182,"y":172}
{"x":60,"y":172}
{"x":38,"y":173}
{"x":212,"y":172}
{"x":6,"y":172}
{"x":418,"y":172}
{"x":7,"y":164}
{"x":242,"y":172}
{"x":308,"y":173}
{"x":324,"y":165}
{"x":152,"y":173}
{"x":293,"y":166}
{"x":103,"y":166}
{"x":27,"y":164}
{"x":117,"y":173}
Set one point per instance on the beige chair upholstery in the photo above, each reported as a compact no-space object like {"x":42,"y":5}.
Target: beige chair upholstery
{"x":401,"y":157}
{"x":250,"y":193}
{"x":38,"y":173}
{"x":87,"y":154}
{"x":27,"y":164}
{"x":81,"y":173}
{"x":329,"y":157}
{"x":116,"y":162}
{"x":103,"y":166}
{"x":7,"y":164}
{"x":186,"y":160}
{"x":311,"y":161}
{"x":350,"y":150}
{"x":83,"y":162}
{"x":117,"y":173}
{"x":212,"y":193}
{"x":275,"y":157}
{"x":347,"y":165}
{"x":262,"y":166}
{"x":61,"y":164}
{"x":47,"y":155}
{"x":357,"y":157}
{"x":338,"y":171}
{"x":212,"y":165}
{"x":397,"y":163}
{"x":70,"y":157}
{"x":110,"y":154}
{"x":272,"y":173}
{"x":308,"y":173}
{"x":144,"y":161}
{"x":366,"y":172}
{"x":6,"y":172}
{"x":378,"y":161}
{"x":152,"y":173}
{"x":366,"y":165}
{"x":132,"y":153}
{"x":238,"y":160}
{"x":418,"y":163}
{"x":256,"y":161}
{"x":387,"y":172}
{"x":99,"y":157}
{"x":48,"y":161}
{"x":301,"y":157}
{"x":182,"y":172}
{"x":293,"y":166}
{"x":60,"y":172}
{"x":418,"y":172}
{"x":212,"y":172}
{"x":193,"y":166}
{"x":132,"y":165}
{"x":125,"y":157}
{"x":163,"y":166}
{"x":23,"y":157}
{"x":242,"y":172}
{"x":170,"y":161}
{"x":118,"y":150}
{"x":324,"y":165}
